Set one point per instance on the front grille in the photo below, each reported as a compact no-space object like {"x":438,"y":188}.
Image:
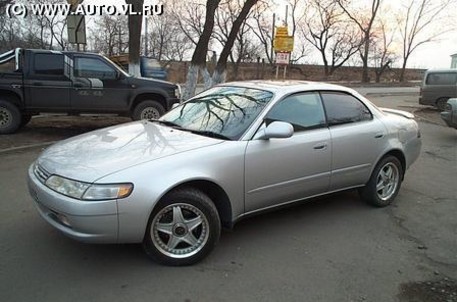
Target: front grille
{"x":41,"y":173}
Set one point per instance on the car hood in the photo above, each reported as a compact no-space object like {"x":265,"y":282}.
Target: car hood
{"x":93,"y":155}
{"x":150,"y":81}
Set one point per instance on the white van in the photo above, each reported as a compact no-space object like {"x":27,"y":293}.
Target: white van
{"x":438,"y":86}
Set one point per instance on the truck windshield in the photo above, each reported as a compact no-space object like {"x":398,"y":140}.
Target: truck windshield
{"x":117,"y":67}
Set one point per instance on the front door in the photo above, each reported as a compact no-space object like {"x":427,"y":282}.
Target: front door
{"x":98,"y":86}
{"x":278,"y":171}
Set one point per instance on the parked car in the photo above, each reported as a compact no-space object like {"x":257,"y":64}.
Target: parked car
{"x":36,"y":81}
{"x":437,"y":87}
{"x":449,"y":115}
{"x":234,"y":150}
{"x":149,"y":67}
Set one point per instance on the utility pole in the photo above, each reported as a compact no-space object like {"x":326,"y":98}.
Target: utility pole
{"x":272,"y":39}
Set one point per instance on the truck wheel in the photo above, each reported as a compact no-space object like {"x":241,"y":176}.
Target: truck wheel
{"x":441,"y":103}
{"x":25,"y":119}
{"x":10,"y":117}
{"x":147,"y":110}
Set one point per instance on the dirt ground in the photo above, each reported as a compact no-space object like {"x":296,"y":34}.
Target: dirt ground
{"x":48,"y":129}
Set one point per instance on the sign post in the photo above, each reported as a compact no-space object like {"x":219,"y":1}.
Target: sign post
{"x":283,"y":46}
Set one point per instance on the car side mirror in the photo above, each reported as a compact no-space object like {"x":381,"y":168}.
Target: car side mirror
{"x":276,"y":129}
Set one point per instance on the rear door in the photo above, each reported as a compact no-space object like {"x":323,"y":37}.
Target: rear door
{"x":47,"y":85}
{"x":98,"y":86}
{"x":358,"y":138}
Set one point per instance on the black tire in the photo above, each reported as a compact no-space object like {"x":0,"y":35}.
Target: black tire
{"x":183,"y":228}
{"x":384,"y":183}
{"x":25,"y":119}
{"x":10,"y":117}
{"x":148,"y":110}
{"x":441,"y":103}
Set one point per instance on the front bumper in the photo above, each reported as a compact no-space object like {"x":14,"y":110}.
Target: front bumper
{"x":86,"y":221}
{"x":446,"y":116}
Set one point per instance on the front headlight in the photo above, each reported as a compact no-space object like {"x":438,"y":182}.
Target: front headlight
{"x":106,"y":192}
{"x":86,"y":191}
{"x":67,"y":187}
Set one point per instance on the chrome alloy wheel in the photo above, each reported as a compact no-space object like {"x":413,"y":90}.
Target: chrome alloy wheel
{"x":180,"y":230}
{"x":387,"y":181}
{"x":150,"y":113}
{"x":5,"y":117}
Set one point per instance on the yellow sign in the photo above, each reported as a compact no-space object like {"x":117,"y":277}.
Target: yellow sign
{"x":282,"y":31}
{"x":283,"y":42}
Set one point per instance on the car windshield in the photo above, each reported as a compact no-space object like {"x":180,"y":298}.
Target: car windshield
{"x":220,"y":112}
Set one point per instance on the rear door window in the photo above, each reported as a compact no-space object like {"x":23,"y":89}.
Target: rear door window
{"x":442,"y":78}
{"x":342,"y":108}
{"x":49,"y":64}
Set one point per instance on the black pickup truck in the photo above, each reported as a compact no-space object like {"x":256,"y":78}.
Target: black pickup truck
{"x":39,"y":81}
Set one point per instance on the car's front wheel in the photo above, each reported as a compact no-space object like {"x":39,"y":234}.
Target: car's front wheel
{"x":384,"y":183}
{"x":183,"y":228}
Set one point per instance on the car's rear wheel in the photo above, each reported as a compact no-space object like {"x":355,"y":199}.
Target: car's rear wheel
{"x":183,"y":228}
{"x":10,"y":117}
{"x":441,"y":103}
{"x":384,"y":183}
{"x":147,"y":110}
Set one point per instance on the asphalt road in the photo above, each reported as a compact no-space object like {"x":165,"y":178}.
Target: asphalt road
{"x":331,"y":249}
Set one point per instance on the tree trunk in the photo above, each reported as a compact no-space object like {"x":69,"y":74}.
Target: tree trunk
{"x":135,"y":24}
{"x":220,"y":72}
{"x":366,"y":50}
{"x":199,"y":57}
{"x":402,"y":71}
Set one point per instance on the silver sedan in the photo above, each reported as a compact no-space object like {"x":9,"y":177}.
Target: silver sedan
{"x":234,"y":150}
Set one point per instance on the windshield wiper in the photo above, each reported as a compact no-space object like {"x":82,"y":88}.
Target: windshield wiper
{"x":166,"y":123}
{"x":211,"y":134}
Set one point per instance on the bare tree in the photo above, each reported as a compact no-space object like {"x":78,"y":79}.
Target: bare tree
{"x":190,"y":18}
{"x":166,"y":39}
{"x":365,"y":23}
{"x":325,"y":28}
{"x":198,"y":62}
{"x":220,"y":72}
{"x":262,"y":27}
{"x":415,"y":19}
{"x":110,"y":35}
{"x":383,"y":55}
{"x":243,"y":49}
{"x":135,"y":24}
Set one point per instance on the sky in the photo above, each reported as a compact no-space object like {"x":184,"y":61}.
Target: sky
{"x":435,"y":54}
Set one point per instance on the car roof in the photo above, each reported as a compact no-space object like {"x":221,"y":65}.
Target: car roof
{"x":286,"y":87}
{"x":449,"y":70}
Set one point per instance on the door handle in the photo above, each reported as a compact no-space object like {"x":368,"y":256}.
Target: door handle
{"x":320,"y":146}
{"x":37,"y":84}
{"x":379,"y":135}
